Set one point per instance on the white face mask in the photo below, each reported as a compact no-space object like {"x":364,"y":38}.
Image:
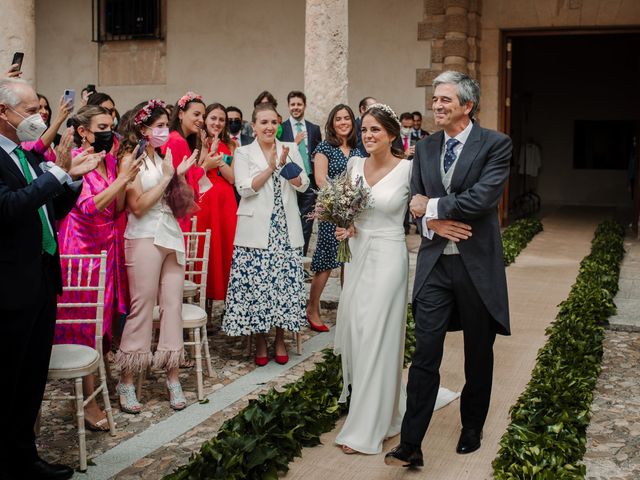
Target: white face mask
{"x":405,"y":131}
{"x":30,"y":128}
{"x":159,"y":136}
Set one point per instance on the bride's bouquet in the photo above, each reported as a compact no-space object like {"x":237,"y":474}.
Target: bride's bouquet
{"x":341,"y":201}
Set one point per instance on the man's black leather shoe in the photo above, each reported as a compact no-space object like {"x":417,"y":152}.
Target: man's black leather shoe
{"x":41,"y":470}
{"x":469,"y":440}
{"x":404,"y":456}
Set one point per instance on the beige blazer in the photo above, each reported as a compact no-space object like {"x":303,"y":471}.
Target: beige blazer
{"x":254,"y":211}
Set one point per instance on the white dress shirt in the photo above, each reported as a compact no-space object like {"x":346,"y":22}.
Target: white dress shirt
{"x":432,"y":204}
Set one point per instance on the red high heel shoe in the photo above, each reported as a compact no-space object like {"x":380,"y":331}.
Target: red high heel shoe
{"x":316,"y":327}
{"x":261,"y":361}
{"x":282,"y":359}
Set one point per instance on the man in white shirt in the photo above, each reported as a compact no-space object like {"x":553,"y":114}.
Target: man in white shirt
{"x":307,"y":136}
{"x":31,"y":200}
{"x":407,"y":140}
{"x":457,"y":181}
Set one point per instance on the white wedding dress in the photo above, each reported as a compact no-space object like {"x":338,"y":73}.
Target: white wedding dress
{"x":370,"y":325}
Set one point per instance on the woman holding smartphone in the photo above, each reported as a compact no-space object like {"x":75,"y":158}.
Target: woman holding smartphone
{"x":218,"y":202}
{"x":155,"y":257}
{"x":90,"y":227}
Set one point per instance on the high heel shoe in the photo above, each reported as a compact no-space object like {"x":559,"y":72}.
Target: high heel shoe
{"x":261,"y":361}
{"x":282,"y":359}
{"x":317,"y":327}
{"x":176,"y":397}
{"x":131,"y":404}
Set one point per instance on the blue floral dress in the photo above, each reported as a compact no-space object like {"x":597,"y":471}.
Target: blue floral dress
{"x":266,"y":286}
{"x":324,"y":257}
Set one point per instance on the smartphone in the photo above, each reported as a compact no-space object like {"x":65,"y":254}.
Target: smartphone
{"x":142,"y":145}
{"x":91,"y":88}
{"x":69,"y":96}
{"x":17,"y":59}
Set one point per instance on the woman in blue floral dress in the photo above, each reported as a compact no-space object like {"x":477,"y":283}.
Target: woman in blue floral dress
{"x":330,"y":159}
{"x":266,"y":285}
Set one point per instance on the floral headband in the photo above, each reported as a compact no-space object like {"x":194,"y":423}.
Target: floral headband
{"x":386,"y":109}
{"x":188,"y":97}
{"x":145,"y":112}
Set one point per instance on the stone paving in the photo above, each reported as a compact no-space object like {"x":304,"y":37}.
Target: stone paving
{"x":58,"y":438}
{"x":613,"y":437}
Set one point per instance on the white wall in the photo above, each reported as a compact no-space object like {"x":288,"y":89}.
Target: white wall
{"x":229,"y":51}
{"x":226,"y":51}
{"x":384,"y":53}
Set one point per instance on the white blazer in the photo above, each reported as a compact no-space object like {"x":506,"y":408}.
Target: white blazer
{"x":254,"y":211}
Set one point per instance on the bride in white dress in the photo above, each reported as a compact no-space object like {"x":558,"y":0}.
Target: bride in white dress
{"x":373,"y":305}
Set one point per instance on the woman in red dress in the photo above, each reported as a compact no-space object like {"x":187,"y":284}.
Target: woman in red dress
{"x":217,"y":201}
{"x":187,"y":121}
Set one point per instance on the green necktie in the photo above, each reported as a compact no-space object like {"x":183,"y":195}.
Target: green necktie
{"x":302,"y":146}
{"x":48,"y":242}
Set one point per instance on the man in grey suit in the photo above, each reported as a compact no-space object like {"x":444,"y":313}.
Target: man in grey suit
{"x":457,"y":181}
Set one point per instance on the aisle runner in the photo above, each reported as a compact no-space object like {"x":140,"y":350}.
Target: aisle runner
{"x":538,"y":281}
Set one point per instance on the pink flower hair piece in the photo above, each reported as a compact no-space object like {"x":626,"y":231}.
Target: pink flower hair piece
{"x":145,"y":112}
{"x":188,"y":97}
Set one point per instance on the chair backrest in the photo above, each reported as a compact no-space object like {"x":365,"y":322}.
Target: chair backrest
{"x":80,"y":279}
{"x":197,"y":261}
{"x":191,"y":245}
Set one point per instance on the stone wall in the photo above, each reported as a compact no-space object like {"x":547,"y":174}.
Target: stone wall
{"x":453,"y":29}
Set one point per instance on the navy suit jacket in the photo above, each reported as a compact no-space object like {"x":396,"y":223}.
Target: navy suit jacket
{"x":476,"y":188}
{"x":314,"y":137}
{"x":21,"y":229}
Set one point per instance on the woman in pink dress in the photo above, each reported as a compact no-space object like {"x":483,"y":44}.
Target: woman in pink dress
{"x":92,"y":226}
{"x":218,"y":202}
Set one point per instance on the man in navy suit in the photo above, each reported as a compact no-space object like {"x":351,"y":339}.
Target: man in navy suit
{"x":236,"y":123}
{"x":457,"y":181}
{"x":307,"y":136}
{"x":31,"y":200}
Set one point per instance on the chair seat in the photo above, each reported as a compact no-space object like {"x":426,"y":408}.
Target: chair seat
{"x":192,"y":315}
{"x":72,"y":361}
{"x":190,"y":289}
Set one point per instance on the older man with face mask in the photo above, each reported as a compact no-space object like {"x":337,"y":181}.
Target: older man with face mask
{"x":33,"y":195}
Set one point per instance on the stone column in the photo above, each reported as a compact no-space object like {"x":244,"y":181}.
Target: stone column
{"x":326,"y":52}
{"x":18,"y":34}
{"x":453,"y":28}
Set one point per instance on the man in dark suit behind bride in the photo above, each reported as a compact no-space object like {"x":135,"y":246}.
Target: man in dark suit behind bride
{"x":457,"y":181}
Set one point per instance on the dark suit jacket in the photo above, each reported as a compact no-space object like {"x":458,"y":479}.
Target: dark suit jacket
{"x":21,"y":229}
{"x":476,"y":187}
{"x":314,"y":137}
{"x":246,"y":139}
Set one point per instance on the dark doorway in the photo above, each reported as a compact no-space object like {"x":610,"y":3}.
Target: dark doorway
{"x":574,"y":117}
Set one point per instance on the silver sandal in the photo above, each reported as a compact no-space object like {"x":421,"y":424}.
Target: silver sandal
{"x":176,"y":397}
{"x":131,"y":404}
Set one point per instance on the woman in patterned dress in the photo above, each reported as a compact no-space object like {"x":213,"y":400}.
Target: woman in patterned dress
{"x":266,"y":287}
{"x":330,"y":159}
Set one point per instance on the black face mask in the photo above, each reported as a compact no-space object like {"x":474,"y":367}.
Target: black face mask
{"x":235,"y":126}
{"x":103,"y":141}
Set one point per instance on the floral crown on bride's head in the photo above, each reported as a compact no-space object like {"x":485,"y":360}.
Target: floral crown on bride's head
{"x":145,"y":112}
{"x":188,"y":97}
{"x":386,"y":109}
